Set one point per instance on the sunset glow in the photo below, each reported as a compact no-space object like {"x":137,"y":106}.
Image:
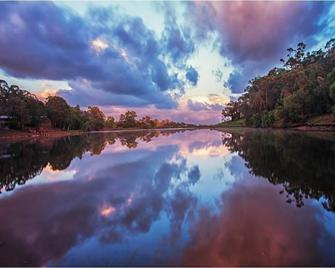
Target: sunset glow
{"x":137,"y":55}
{"x":107,"y":211}
{"x":99,"y":45}
{"x":167,"y":133}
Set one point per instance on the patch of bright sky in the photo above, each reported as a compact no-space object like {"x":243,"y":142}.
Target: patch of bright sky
{"x":207,"y":61}
{"x":215,"y":176}
{"x":146,"y":10}
{"x":327,"y":32}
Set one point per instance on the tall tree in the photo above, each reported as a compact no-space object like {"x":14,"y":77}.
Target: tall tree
{"x":58,"y":112}
{"x":95,"y":118}
{"x":128,"y":119}
{"x":22,"y":107}
{"x":303,"y":88}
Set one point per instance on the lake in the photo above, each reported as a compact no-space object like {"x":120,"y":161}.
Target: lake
{"x":200,"y":198}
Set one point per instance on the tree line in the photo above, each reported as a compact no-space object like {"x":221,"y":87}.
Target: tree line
{"x":304,"y":87}
{"x":23,"y":110}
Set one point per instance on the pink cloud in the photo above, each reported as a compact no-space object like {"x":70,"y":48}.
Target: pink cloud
{"x":180,"y":114}
{"x":254,"y":35}
{"x":255,"y":227}
{"x":250,"y":30}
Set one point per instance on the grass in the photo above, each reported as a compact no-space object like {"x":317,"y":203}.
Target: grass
{"x":322,"y":120}
{"x":326,"y":120}
{"x":235,"y":123}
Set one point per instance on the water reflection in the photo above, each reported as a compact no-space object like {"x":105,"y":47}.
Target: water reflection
{"x":188,"y":198}
{"x":256,"y":228}
{"x":22,"y":161}
{"x":304,"y":164}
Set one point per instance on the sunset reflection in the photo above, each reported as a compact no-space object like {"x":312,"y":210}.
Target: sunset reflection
{"x":193,"y":198}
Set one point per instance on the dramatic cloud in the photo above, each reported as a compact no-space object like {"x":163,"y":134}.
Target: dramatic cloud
{"x":114,"y":54}
{"x":255,"y":35}
{"x":117,"y":55}
{"x":176,"y":39}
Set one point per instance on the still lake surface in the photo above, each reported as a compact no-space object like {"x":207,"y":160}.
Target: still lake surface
{"x":196,"y":198}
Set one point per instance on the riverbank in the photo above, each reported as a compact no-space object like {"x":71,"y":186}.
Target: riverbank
{"x":15,"y":135}
{"x":318,"y":123}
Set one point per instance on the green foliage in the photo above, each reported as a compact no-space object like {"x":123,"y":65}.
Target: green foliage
{"x":331,"y":76}
{"x":232,"y":111}
{"x":95,"y":119}
{"x":77,"y":119}
{"x":128,"y":120}
{"x":293,"y":107}
{"x":110,"y":122}
{"x":236,"y":123}
{"x":332,"y":91}
{"x":303,"y":88}
{"x":59,"y":112}
{"x":264,"y":119}
{"x":36,"y":111}
{"x":254,"y":121}
{"x":268,"y":119}
{"x":24,"y":109}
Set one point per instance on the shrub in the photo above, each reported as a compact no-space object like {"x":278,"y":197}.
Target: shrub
{"x":268,"y":119}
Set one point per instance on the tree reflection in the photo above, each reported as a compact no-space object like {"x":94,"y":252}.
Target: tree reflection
{"x":110,"y":209}
{"x":22,"y":161}
{"x":302,"y":163}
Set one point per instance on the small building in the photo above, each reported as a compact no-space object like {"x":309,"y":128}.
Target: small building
{"x":5,"y":121}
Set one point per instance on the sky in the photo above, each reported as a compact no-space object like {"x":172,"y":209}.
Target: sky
{"x":180,"y":60}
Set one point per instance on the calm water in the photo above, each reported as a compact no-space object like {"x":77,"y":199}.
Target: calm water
{"x":169,"y":198}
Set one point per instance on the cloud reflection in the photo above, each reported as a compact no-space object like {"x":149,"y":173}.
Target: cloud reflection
{"x":255,"y":227}
{"x":129,"y":195}
{"x":156,"y":203}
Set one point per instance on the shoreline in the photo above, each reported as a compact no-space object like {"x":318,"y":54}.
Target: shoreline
{"x":17,"y":135}
{"x":302,"y":128}
{"x":324,"y":123}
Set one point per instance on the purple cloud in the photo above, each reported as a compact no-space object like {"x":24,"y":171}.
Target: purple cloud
{"x":255,"y":35}
{"x":116,"y":54}
{"x":199,"y":106}
{"x":176,"y":39}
